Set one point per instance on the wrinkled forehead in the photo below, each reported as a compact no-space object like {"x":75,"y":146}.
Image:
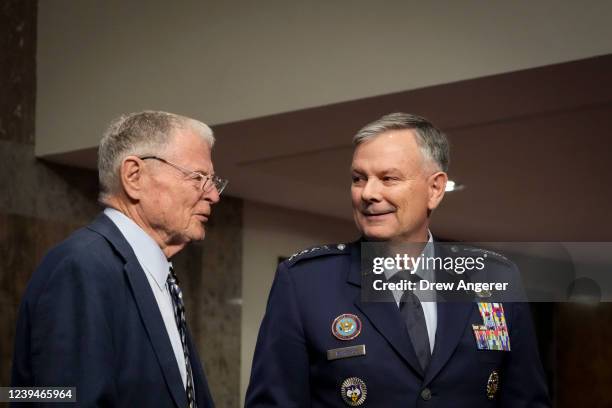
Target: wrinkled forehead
{"x":396,"y":149}
{"x":190,"y":149}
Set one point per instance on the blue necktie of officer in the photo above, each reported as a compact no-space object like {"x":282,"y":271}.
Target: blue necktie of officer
{"x":181,"y":323}
{"x":414,"y":317}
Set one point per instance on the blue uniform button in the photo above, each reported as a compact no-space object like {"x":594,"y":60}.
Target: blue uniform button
{"x":426,"y":394}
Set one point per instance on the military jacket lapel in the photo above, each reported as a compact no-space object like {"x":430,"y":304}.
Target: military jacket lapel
{"x":454,"y":309}
{"x":452,"y":321}
{"x":384,"y":316}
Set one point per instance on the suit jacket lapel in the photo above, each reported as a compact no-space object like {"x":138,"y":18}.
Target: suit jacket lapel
{"x":158,"y":335}
{"x":384,"y":316}
{"x":203,"y":397}
{"x":147,"y":307}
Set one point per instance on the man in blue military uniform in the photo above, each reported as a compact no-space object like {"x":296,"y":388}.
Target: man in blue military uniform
{"x":322,"y":345}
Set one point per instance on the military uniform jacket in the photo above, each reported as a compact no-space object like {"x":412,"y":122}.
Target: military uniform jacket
{"x":291,"y":368}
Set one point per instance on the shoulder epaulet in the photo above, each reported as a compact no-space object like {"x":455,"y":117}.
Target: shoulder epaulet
{"x":487,"y":253}
{"x":322,"y":250}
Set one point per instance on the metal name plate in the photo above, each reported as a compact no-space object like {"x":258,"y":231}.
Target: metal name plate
{"x":346,"y":352}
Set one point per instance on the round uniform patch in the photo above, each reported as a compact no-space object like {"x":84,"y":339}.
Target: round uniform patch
{"x":353,"y":391}
{"x":346,"y":327}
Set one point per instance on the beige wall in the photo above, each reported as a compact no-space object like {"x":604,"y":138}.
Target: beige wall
{"x":270,"y":232}
{"x":227,"y":61}
{"x":41,"y":204}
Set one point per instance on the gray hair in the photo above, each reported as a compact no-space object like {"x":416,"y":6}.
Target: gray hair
{"x":432,"y":141}
{"x":139,"y":134}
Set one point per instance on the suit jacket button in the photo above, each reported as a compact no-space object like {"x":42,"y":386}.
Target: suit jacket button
{"x":426,"y":394}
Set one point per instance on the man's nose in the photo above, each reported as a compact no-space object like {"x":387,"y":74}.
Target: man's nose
{"x":371,"y":191}
{"x":212,"y":196}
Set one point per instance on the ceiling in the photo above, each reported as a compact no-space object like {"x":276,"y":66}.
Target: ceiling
{"x":532,"y":147}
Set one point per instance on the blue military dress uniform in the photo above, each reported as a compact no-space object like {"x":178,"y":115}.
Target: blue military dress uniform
{"x":292,"y":365}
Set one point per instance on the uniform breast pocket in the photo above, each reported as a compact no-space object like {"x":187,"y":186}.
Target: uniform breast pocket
{"x":491,"y":356}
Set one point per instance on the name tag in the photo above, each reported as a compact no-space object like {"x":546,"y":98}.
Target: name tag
{"x":346,"y":352}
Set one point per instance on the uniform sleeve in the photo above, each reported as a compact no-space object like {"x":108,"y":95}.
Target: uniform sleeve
{"x":280,"y":372}
{"x":68,"y":338}
{"x":523,"y":382}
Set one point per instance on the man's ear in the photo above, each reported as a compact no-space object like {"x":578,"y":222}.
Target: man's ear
{"x":132,"y":176}
{"x":437,"y":187}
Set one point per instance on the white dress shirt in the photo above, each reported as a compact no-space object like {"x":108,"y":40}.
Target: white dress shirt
{"x":156,"y":267}
{"x":429,"y":308}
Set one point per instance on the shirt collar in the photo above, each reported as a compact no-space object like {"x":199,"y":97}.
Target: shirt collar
{"x":147,"y":251}
{"x":428,"y":252}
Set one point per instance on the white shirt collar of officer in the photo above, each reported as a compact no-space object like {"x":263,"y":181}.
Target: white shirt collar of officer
{"x":423,"y":273}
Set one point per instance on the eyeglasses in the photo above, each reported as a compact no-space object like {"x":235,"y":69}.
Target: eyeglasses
{"x":206,"y":181}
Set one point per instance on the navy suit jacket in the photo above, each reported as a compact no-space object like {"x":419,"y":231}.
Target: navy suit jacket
{"x":291,"y":369}
{"x":89,"y":320}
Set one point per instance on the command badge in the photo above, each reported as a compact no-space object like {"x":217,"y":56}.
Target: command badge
{"x":346,"y":327}
{"x":484,"y":294}
{"x":492,"y":384}
{"x":353,"y":391}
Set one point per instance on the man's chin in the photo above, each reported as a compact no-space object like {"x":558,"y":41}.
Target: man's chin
{"x":374,"y":235}
{"x":197,"y":234}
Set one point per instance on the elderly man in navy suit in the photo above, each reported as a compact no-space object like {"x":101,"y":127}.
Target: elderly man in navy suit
{"x":104,"y":312}
{"x":322,"y":345}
